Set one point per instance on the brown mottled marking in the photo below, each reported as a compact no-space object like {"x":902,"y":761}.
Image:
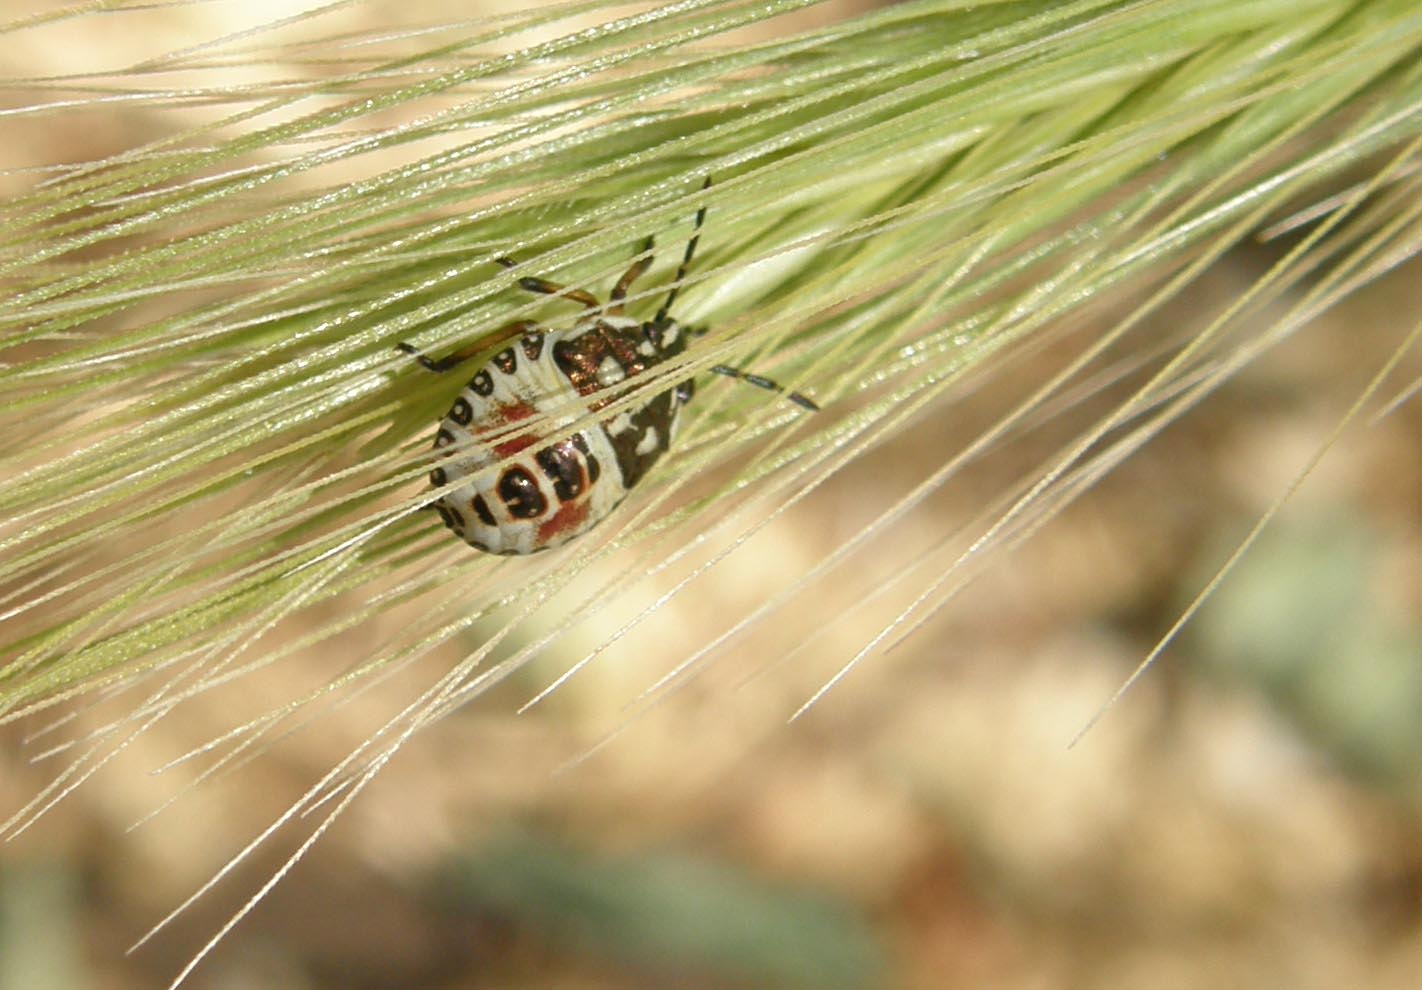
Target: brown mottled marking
{"x":580,"y":357}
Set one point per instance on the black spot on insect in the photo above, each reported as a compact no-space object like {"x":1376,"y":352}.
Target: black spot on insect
{"x":633,"y":460}
{"x":532,"y":345}
{"x":443,"y":438}
{"x":684,"y":391}
{"x":594,"y":469}
{"x":505,"y":361}
{"x":438,"y":478}
{"x":451,"y":517}
{"x":461,"y":412}
{"x":482,"y":383}
{"x":560,"y":463}
{"x":481,"y":509}
{"x":521,"y":495}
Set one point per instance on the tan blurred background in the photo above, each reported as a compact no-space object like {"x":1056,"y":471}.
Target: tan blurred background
{"x":1248,"y":816}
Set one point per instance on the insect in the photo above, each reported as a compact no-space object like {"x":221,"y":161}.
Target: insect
{"x":508,"y":493}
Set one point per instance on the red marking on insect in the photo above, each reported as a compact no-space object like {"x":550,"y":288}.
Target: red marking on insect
{"x":506,"y":415}
{"x":569,"y":519}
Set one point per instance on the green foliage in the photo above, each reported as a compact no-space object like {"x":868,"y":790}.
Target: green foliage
{"x":677,"y":916}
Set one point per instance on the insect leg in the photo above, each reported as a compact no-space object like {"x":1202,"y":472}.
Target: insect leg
{"x":638,"y":269}
{"x":456,"y":358}
{"x":552,"y":288}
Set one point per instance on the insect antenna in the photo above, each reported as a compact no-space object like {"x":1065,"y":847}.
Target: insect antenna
{"x":685,"y":260}
{"x":760,"y":381}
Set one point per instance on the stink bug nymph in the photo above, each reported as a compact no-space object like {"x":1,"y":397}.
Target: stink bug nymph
{"x":525,"y":493}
